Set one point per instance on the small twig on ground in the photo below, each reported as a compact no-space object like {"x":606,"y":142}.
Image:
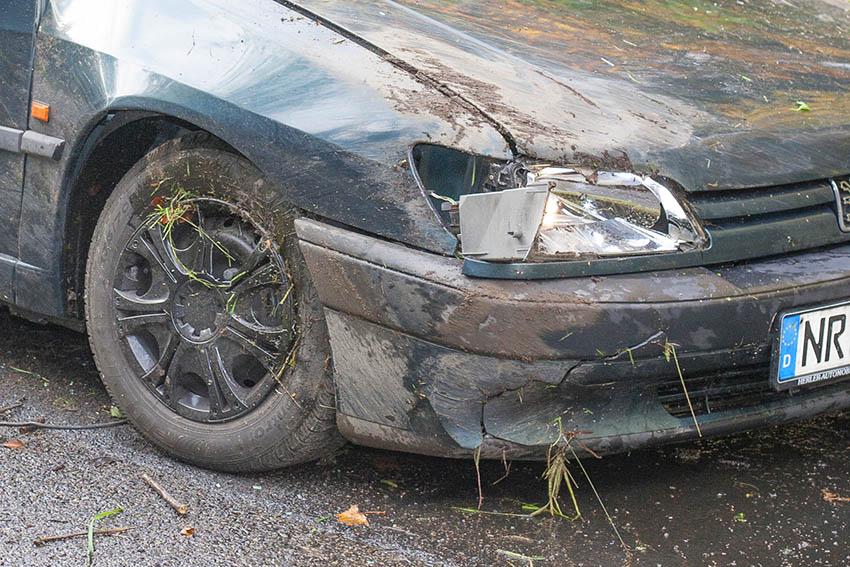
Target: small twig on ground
{"x":488,"y":513}
{"x":37,"y":425}
{"x":17,"y":404}
{"x":42,"y":540}
{"x":181,"y":509}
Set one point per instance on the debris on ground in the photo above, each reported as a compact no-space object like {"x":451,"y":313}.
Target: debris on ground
{"x":40,"y":424}
{"x":30,"y":373}
{"x":12,"y":406}
{"x":43,"y":540}
{"x":90,"y":533}
{"x":557,"y":473}
{"x":181,"y":509}
{"x":353,"y":517}
{"x":833,"y":497}
{"x":28,"y":428}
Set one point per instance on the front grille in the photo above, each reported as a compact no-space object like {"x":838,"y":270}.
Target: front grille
{"x":749,"y":223}
{"x":728,"y":390}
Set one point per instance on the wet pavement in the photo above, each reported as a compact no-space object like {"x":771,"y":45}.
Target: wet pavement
{"x":753,"y":499}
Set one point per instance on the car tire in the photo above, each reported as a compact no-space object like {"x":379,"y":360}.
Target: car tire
{"x":204,"y":323}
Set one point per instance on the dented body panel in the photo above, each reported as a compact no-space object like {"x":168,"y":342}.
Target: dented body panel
{"x":422,"y":352}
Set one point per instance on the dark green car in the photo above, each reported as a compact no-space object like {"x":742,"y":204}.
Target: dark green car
{"x":440,"y":226}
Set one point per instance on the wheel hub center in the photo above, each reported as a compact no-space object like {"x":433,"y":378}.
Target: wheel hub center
{"x":196,"y":309}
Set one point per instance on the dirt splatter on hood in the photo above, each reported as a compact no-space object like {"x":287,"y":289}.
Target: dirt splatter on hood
{"x":703,"y":93}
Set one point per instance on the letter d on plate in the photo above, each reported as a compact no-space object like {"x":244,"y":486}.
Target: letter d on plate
{"x":788,"y":347}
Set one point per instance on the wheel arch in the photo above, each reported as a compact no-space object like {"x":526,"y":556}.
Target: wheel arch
{"x":115,"y":141}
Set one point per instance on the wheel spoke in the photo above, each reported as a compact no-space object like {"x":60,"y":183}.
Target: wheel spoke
{"x":156,"y":375}
{"x":223,"y":390}
{"x":172,"y":372}
{"x":197,"y":257}
{"x":208,"y":374}
{"x":265,"y":274}
{"x":131,"y":324}
{"x":256,"y":257}
{"x":150,"y":246}
{"x":255,"y":331}
{"x":147,"y":303}
{"x":254,"y":343}
{"x":261,"y":302}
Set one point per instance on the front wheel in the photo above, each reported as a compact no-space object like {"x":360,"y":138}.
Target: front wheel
{"x":201,"y":315}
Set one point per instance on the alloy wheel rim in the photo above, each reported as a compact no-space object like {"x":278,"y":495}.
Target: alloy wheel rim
{"x":205,"y":309}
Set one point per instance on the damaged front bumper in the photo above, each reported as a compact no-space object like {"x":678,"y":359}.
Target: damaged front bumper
{"x":431,"y":361}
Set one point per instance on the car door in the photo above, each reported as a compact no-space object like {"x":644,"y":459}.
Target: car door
{"x":17,"y":30}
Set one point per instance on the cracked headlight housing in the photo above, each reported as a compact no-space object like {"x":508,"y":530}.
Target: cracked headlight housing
{"x":573,"y":213}
{"x":519,"y":211}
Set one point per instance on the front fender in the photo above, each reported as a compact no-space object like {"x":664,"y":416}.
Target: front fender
{"x":328,"y":121}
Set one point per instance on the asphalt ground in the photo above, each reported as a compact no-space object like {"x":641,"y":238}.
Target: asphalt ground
{"x":771,"y":497}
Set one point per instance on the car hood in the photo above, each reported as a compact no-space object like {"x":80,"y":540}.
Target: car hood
{"x":711,"y":96}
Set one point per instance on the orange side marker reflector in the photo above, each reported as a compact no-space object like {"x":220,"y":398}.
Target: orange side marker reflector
{"x":40,"y":111}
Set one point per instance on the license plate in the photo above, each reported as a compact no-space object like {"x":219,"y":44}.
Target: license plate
{"x":814,"y":347}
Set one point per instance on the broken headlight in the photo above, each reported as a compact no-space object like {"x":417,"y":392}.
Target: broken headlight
{"x":573,"y":213}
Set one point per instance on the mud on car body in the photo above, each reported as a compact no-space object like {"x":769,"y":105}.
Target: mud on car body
{"x":421,"y":226}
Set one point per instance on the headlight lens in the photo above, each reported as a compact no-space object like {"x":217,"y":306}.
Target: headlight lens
{"x":564,"y":214}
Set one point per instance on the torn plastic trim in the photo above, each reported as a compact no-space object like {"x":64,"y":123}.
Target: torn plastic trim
{"x":371,"y":434}
{"x":445,"y":174}
{"x":431,"y":398}
{"x":575,"y":365}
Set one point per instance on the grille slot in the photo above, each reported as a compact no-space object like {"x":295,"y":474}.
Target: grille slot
{"x":751,"y":223}
{"x":743,"y":204}
{"x":719,"y":391}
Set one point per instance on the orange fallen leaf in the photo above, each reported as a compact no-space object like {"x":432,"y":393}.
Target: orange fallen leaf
{"x":352,"y":517}
{"x":188,"y":532}
{"x":13,"y":444}
{"x":833,"y":497}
